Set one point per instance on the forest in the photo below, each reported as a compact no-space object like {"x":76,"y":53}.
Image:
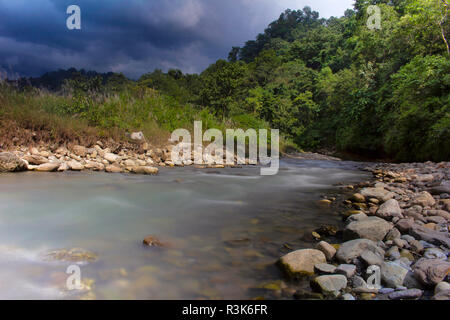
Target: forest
{"x":327,"y":84}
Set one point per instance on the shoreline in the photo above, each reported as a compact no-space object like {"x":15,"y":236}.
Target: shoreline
{"x":397,"y":221}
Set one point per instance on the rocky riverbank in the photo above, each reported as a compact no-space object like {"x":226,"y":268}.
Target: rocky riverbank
{"x":49,"y":158}
{"x":395,"y":243}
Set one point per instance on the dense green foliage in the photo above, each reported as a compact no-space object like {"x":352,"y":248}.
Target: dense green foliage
{"x":332,"y":83}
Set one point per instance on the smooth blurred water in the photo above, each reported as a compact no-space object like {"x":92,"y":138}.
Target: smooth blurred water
{"x":195,"y":211}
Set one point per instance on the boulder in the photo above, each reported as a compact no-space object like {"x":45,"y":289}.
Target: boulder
{"x":404,"y":225}
{"x":144,"y":170}
{"x":75,"y":165}
{"x":406,"y":294}
{"x":389,"y":209}
{"x":79,"y":151}
{"x":329,"y":284}
{"x":328,"y":250}
{"x":95,"y":166}
{"x":113,"y":169}
{"x":372,"y":258}
{"x":441,"y":286}
{"x":348,"y":270}
{"x":358,"y":198}
{"x":35,"y":159}
{"x":377,"y":193}
{"x":324,"y":268}
{"x":9,"y":162}
{"x":111,"y":157}
{"x":137,"y":136}
{"x":301,"y":262}
{"x":443,"y":295}
{"x":393,"y":274}
{"x":431,"y":271}
{"x":350,"y":250}
{"x":431,"y":236}
{"x":424,"y":199}
{"x":372,"y":228}
{"x":48,"y":167}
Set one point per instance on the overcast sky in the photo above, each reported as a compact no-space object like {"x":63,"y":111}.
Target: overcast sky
{"x":135,"y":36}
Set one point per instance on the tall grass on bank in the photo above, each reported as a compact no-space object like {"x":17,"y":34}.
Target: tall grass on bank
{"x":31,"y":115}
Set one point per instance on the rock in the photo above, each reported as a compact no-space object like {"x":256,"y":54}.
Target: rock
{"x":113,"y":169}
{"x":424,"y":199}
{"x":377,"y":193}
{"x":350,"y":250}
{"x":328,"y":250}
{"x":329,"y":284}
{"x":443,"y":295}
{"x":436,"y":220}
{"x":371,"y":258}
{"x":303,"y":294}
{"x":11,"y":163}
{"x":75,"y":165}
{"x":356,"y":217}
{"x":348,"y":270}
{"x":95,"y":166}
{"x":35,"y":159}
{"x":359,"y":285}
{"x":358,"y":198}
{"x":434,"y":253}
{"x":325,"y":202}
{"x":393,"y":274}
{"x":404,"y":225}
{"x":372,"y":228}
{"x":63,"y":167}
{"x":324,"y":268}
{"x":441,"y":286}
{"x":431,"y":271}
{"x":438,"y":190}
{"x":152,"y":241}
{"x":138,"y":136}
{"x":389,"y":209}
{"x":393,"y":253}
{"x":441,"y":213}
{"x":348,"y":296}
{"x":48,"y":167}
{"x":71,"y":255}
{"x":446,"y":204}
{"x":301,"y":262}
{"x":79,"y":151}
{"x":145,"y":170}
{"x":393,"y":234}
{"x":406,"y":294}
{"x":111,"y":157}
{"x":431,"y":236}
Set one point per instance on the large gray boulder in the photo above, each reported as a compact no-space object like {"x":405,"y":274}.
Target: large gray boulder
{"x":9,"y":162}
{"x":350,"y":250}
{"x":372,"y":228}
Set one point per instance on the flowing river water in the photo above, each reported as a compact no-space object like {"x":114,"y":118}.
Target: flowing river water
{"x":224,"y":229}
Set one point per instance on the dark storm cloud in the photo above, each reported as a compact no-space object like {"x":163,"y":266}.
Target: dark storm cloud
{"x":134,"y":36}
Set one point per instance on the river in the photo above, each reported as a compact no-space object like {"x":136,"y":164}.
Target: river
{"x":224,"y":229}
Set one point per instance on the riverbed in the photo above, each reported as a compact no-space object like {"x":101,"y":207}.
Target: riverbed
{"x":223,"y":229}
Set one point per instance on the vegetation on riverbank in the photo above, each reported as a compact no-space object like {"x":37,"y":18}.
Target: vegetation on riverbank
{"x":325,"y":83}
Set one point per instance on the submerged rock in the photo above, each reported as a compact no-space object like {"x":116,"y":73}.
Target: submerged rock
{"x":72,"y":255}
{"x":152,"y":241}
